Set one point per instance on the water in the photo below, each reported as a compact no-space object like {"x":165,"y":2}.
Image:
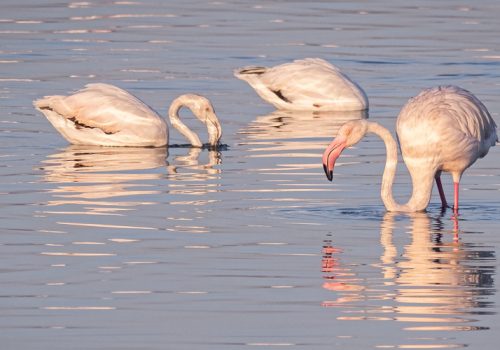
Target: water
{"x":250,"y":246}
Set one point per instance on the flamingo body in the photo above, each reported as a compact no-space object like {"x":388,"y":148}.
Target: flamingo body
{"x":445,"y":128}
{"x":311,"y":84}
{"x":106,"y":115}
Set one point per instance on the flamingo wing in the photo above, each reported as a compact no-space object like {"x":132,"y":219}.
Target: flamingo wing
{"x":104,"y":115}
{"x":308,"y":84}
{"x":446,"y":126}
{"x":101,"y":106}
{"x":313,"y":83}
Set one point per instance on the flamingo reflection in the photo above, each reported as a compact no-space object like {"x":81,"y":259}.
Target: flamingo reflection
{"x":188,"y":174}
{"x":291,"y":142}
{"x":191,"y":161}
{"x":97,"y":186}
{"x":91,"y":172}
{"x":433,"y":284}
{"x":299,"y":125}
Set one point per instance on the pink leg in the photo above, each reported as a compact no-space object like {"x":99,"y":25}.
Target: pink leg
{"x":455,"y":206}
{"x":455,"y":228}
{"x":444,"y":203}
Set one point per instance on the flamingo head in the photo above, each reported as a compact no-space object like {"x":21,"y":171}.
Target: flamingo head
{"x":207,"y":113}
{"x":349,"y":134}
{"x":204,"y":111}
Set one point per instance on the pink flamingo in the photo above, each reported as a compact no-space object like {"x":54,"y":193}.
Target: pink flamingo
{"x":445,"y":128}
{"x":106,"y":115}
{"x":311,"y":84}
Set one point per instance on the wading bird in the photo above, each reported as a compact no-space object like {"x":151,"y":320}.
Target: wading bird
{"x":442,"y":129}
{"x":106,"y":115}
{"x":311,"y":84}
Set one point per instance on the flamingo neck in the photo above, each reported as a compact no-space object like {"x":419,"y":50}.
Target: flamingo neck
{"x":173,"y":114}
{"x":422,"y":182}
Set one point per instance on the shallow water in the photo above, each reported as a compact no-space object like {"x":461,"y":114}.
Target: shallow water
{"x":250,"y":246}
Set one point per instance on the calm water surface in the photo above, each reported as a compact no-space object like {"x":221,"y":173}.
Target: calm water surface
{"x":247,"y":247}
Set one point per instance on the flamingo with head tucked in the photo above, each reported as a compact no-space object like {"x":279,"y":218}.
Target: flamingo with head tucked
{"x":106,"y":115}
{"x":311,"y":84}
{"x":442,"y":129}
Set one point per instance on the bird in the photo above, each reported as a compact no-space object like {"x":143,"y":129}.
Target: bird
{"x":442,"y":129}
{"x":106,"y":115}
{"x":310,"y":84}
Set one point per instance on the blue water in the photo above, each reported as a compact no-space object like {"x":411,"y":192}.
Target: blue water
{"x":249,"y":246}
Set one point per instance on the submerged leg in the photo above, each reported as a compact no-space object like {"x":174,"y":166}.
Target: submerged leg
{"x":455,"y":228}
{"x":455,"y":204}
{"x":444,"y":203}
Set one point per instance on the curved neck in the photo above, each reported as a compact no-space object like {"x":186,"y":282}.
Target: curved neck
{"x":173,"y":114}
{"x":422,"y":180}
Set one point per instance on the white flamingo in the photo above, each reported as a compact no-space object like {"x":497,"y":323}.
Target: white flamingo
{"x":442,"y":129}
{"x":105,"y":115}
{"x":311,"y":84}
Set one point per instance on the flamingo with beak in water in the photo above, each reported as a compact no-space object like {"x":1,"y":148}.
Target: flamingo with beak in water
{"x":445,"y":128}
{"x":106,"y":115}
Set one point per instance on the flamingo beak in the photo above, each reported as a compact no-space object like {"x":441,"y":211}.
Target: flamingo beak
{"x":214,"y":128}
{"x":332,"y":152}
{"x":329,"y":174}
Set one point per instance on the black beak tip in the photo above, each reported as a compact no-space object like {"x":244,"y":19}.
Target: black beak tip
{"x":329,"y":174}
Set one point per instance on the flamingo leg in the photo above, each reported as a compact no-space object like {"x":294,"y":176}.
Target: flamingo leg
{"x":455,"y":228}
{"x":455,"y":204}
{"x":444,"y":203}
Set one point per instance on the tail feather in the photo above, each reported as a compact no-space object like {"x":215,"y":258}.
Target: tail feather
{"x":40,"y":103}
{"x":251,"y":70}
{"x":46,"y":102}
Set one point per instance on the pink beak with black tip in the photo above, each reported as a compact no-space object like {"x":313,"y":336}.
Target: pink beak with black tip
{"x":332,"y":152}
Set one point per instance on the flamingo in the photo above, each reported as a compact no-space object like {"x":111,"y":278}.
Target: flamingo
{"x":106,"y":115}
{"x":311,"y":84}
{"x":445,"y":128}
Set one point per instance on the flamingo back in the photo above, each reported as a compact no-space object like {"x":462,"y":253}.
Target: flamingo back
{"x":447,"y":128}
{"x":308,"y":84}
{"x":103,"y":114}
